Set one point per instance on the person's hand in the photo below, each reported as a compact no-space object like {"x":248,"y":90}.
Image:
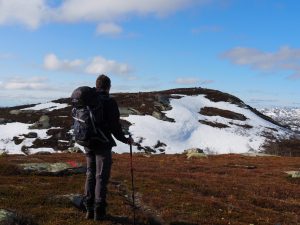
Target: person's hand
{"x":130,"y":141}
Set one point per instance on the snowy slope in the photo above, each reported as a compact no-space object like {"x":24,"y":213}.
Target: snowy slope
{"x":168,"y":121}
{"x":188,"y":132}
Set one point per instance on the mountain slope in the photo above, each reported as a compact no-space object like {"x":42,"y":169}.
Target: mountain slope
{"x":166,"y":121}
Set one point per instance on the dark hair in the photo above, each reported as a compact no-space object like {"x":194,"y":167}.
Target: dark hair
{"x":103,"y":82}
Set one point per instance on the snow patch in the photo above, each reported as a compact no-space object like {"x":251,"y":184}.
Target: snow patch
{"x":11,"y":130}
{"x":187,"y":132}
{"x":49,"y":106}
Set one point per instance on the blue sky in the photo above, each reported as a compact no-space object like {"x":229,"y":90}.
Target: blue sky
{"x":249,"y":48}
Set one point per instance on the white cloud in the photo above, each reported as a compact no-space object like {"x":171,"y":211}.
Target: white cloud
{"x":286,"y":59}
{"x":51,"y":62}
{"x":100,"y":65}
{"x":29,"y":13}
{"x":33,"y":13}
{"x":110,"y":29}
{"x":95,"y":66}
{"x":191,"y":81}
{"x":110,"y":10}
{"x":32,"y":83}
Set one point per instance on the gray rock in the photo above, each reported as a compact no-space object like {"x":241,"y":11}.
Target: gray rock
{"x":3,"y":121}
{"x":195,"y":153}
{"x":25,"y":150}
{"x":60,"y":168}
{"x":32,"y":135}
{"x":15,"y":112}
{"x":293,"y":174}
{"x":125,"y":111}
{"x":74,"y":150}
{"x":76,"y":200}
{"x":7,"y":217}
{"x":43,"y":123}
{"x":193,"y":150}
{"x":161,"y":116}
{"x":162,"y":107}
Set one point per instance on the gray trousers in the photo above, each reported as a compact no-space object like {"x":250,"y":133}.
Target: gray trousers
{"x":97,"y":177}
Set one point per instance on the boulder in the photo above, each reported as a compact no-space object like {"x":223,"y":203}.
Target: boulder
{"x":74,"y":150}
{"x":7,"y":217}
{"x":59,"y":168}
{"x":76,"y":200}
{"x":11,"y":218}
{"x":43,"y":123}
{"x":193,"y":150}
{"x":293,"y":174}
{"x":15,"y":112}
{"x":125,"y":111}
{"x":31,"y":135}
{"x":195,"y":153}
{"x":161,"y":116}
{"x":3,"y":121}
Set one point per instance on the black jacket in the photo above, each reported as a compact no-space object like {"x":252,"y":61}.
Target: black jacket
{"x":111,"y":123}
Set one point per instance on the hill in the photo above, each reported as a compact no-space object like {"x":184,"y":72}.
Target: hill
{"x":168,"y":121}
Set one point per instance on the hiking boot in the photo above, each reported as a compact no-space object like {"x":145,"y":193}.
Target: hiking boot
{"x":89,"y":212}
{"x":100,"y":212}
{"x":89,"y":215}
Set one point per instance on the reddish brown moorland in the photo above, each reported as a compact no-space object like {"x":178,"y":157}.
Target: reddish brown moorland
{"x":225,"y":189}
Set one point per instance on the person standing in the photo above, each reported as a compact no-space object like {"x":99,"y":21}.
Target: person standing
{"x":99,"y":157}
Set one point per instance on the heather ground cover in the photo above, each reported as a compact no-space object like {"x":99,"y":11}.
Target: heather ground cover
{"x":224,"y":189}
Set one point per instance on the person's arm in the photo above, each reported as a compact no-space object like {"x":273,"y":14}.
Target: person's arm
{"x":114,"y":122}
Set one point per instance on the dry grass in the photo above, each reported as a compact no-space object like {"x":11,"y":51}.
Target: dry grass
{"x":195,"y":191}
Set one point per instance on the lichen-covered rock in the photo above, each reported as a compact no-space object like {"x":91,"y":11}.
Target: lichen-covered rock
{"x":15,"y":112}
{"x":126,"y":111}
{"x":193,"y":150}
{"x":3,"y":121}
{"x":7,"y":217}
{"x":31,"y":135}
{"x":60,"y":168}
{"x":293,"y":174}
{"x":43,"y":123}
{"x":76,"y":200}
{"x":74,"y":149}
{"x":195,"y":153}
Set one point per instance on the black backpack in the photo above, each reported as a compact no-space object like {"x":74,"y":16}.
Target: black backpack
{"x":87,"y":113}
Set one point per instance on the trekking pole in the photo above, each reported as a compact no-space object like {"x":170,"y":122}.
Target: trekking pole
{"x":132,"y":182}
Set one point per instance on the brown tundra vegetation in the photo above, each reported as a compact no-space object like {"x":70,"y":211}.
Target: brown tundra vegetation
{"x":223,"y":189}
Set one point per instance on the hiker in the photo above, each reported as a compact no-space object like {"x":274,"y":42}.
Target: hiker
{"x":99,"y":157}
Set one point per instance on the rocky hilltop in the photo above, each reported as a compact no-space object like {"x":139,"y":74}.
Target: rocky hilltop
{"x":168,"y":121}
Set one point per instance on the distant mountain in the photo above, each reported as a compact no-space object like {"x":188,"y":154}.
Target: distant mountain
{"x":168,"y":121}
{"x":287,"y":116}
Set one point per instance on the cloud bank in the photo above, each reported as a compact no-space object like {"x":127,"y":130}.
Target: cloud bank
{"x":19,"y":83}
{"x":285,"y":59}
{"x":34,"y":13}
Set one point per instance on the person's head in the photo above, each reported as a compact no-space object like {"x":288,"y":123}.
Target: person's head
{"x":103,"y":83}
